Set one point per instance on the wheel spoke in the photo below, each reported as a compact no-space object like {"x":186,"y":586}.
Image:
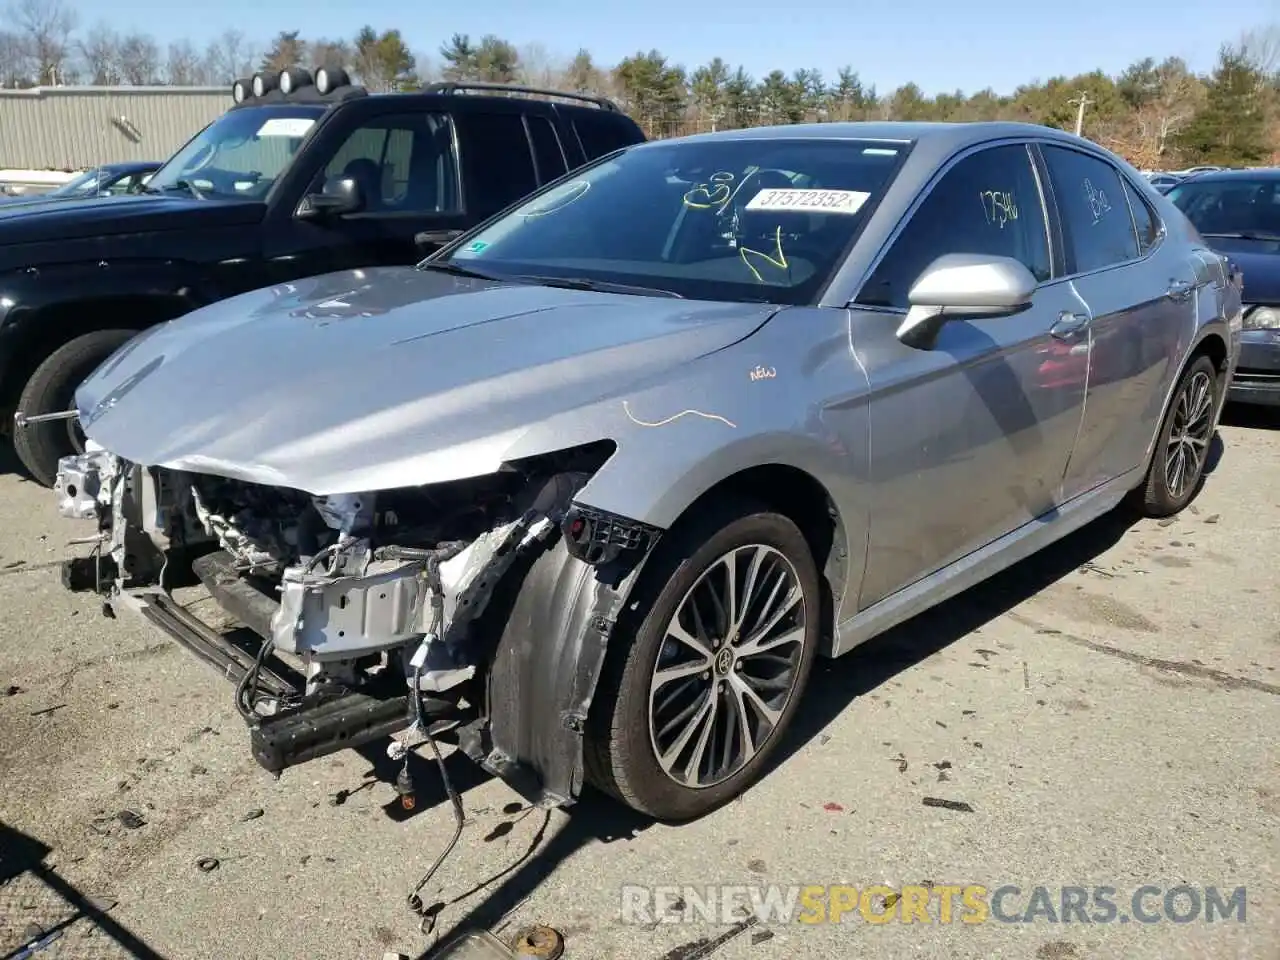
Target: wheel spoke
{"x":742,"y":722}
{"x":693,"y":772}
{"x":762,"y":641}
{"x":665,"y":675}
{"x":758,"y":640}
{"x":669,"y":756}
{"x":698,"y":643}
{"x":743,"y":689}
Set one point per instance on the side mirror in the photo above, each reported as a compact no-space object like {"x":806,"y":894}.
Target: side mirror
{"x":964,"y":285}
{"x":340,"y":195}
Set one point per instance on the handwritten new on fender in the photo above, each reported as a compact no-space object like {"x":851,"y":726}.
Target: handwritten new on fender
{"x":763,"y":373}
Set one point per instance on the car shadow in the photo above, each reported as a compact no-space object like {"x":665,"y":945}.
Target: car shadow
{"x":1250,"y":416}
{"x":60,"y":915}
{"x":835,"y":685}
{"x":9,"y":462}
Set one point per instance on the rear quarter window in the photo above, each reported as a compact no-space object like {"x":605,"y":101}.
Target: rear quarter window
{"x":602,"y":135}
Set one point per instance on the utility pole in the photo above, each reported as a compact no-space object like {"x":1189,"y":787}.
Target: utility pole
{"x":1080,"y":103}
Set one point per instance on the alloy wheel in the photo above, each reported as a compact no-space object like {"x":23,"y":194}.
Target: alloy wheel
{"x":1188,"y":445}
{"x":727,"y":667}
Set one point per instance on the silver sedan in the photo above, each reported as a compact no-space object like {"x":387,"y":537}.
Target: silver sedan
{"x":590,"y":490}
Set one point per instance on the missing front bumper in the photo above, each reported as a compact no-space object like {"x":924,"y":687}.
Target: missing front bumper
{"x":302,"y":728}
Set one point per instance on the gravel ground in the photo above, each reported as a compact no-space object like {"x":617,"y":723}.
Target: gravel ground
{"x":1104,"y":715}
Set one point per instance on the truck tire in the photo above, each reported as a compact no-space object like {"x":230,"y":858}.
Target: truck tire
{"x":50,"y":389}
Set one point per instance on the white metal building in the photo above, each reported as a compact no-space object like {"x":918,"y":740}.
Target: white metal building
{"x":73,"y":128}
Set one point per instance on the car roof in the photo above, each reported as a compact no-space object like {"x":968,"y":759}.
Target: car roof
{"x":939,"y":139}
{"x":1257,"y":173}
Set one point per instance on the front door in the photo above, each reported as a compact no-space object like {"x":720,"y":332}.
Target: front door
{"x":1141,"y":294}
{"x":969,"y":438}
{"x":404,"y":165}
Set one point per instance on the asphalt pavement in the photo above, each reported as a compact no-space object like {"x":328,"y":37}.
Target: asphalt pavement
{"x":1105,"y":715}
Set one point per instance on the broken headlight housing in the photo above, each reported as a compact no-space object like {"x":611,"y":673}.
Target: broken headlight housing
{"x":1261,"y":318}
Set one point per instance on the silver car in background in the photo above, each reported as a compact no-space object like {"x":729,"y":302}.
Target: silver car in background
{"x":588,"y":491}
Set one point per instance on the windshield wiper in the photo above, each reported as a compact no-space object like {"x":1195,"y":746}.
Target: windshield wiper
{"x":600,"y":286}
{"x":445,"y":266}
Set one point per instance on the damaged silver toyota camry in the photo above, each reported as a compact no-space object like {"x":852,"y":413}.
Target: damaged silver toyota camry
{"x":588,"y":491}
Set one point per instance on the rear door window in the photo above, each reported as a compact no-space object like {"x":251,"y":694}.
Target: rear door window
{"x":497,"y":162}
{"x":1095,"y":214}
{"x":546,"y":149}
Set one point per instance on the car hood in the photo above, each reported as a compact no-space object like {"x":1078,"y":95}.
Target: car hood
{"x":1261,"y":268}
{"x":374,"y":379}
{"x":63,"y":218}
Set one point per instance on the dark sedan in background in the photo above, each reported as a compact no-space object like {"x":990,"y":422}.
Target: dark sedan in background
{"x":1238,"y":214}
{"x":108,"y":180}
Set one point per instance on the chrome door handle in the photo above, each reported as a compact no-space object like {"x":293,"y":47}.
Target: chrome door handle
{"x":1180,"y":289}
{"x":1068,"y":325}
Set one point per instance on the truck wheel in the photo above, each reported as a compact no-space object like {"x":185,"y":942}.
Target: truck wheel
{"x":51,"y":389}
{"x":688,"y":714}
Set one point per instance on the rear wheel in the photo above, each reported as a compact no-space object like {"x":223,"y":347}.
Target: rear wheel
{"x":688,"y":715}
{"x":1182,"y":448}
{"x":51,"y":389}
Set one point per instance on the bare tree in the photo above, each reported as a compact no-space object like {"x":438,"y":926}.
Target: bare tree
{"x":15,"y":64}
{"x":230,"y":57}
{"x":333,"y":54}
{"x":100,"y":52}
{"x":184,"y":67}
{"x":139,"y":60}
{"x":1261,"y":47}
{"x":45,"y":27}
{"x":538,"y":67}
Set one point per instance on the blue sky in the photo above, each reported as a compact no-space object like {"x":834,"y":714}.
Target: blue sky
{"x":941,"y":46}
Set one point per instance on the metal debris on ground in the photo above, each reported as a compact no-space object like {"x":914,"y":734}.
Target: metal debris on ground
{"x":1213,"y":518}
{"x":539,"y":943}
{"x":130,"y":820}
{"x":208,"y":864}
{"x":253,"y":814}
{"x":958,"y":805}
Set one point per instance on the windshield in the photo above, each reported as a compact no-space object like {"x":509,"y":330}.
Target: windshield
{"x":1235,"y":207}
{"x":240,"y":154}
{"x":84,"y":184}
{"x":751,"y":219}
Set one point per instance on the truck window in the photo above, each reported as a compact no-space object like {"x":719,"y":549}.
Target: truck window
{"x":599,"y":136}
{"x":403,"y":162}
{"x":497,"y":165}
{"x":546,"y":149}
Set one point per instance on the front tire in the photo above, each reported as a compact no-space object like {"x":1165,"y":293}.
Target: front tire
{"x":51,"y":389}
{"x":689,"y":712}
{"x":1182,"y":447}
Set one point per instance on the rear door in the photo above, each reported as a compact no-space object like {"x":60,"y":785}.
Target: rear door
{"x":1140,"y":291}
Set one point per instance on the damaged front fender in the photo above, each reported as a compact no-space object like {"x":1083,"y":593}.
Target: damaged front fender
{"x":548,"y":661}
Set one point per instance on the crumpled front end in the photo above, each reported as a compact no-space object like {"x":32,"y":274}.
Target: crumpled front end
{"x":356,"y":600}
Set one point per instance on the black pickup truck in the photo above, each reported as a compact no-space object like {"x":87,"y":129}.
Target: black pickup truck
{"x":303,"y":175}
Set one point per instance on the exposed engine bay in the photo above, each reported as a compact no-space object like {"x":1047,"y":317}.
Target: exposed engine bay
{"x":377,"y":601}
